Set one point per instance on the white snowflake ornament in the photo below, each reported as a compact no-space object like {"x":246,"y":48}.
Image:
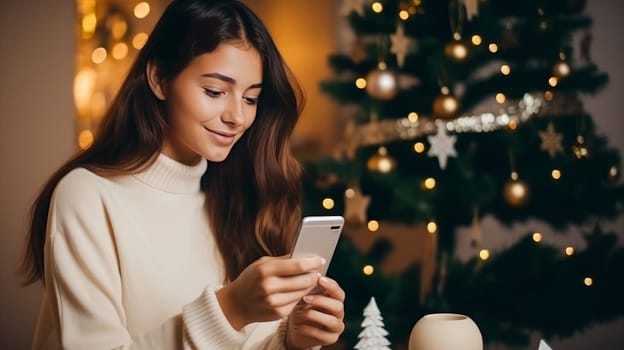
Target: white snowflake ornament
{"x":442,"y":146}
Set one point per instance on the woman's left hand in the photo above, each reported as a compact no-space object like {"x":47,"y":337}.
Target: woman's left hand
{"x":318,"y":318}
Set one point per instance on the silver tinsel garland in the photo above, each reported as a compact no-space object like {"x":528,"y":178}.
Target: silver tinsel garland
{"x":531,"y":105}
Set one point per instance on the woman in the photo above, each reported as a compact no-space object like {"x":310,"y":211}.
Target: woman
{"x":171,"y":230}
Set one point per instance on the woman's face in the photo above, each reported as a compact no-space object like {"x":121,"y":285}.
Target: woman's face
{"x":211,"y":103}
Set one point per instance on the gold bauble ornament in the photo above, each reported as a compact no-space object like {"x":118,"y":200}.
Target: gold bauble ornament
{"x":614,"y":173}
{"x":457,"y":50}
{"x":516,"y":192}
{"x":561,"y":69}
{"x":445,"y":105}
{"x":381,"y":161}
{"x":382,"y":83}
{"x":579,"y":149}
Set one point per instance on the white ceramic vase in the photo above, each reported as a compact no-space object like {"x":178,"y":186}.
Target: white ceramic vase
{"x":445,"y":331}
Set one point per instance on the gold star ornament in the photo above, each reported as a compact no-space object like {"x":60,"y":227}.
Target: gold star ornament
{"x":400,"y":45}
{"x":356,"y":205}
{"x":551,"y":140}
{"x":472,"y":8}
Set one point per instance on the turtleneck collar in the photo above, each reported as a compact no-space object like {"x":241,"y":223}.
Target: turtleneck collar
{"x":172,"y":176}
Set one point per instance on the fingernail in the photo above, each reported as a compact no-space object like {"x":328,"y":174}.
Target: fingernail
{"x":307,"y":298}
{"x":324,"y":280}
{"x":323,"y":261}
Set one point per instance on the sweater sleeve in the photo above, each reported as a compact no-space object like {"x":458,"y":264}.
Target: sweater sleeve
{"x":84,"y":287}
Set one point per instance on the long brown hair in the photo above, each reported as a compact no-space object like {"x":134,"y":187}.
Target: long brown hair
{"x":253,"y":197}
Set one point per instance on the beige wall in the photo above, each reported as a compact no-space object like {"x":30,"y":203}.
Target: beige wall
{"x":36,"y":134}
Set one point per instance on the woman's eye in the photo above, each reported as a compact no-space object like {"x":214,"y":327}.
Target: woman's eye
{"x":213,"y":93}
{"x":251,"y":100}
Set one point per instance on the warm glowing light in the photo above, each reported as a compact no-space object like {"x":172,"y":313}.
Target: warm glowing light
{"x":377,"y":7}
{"x":613,"y":172}
{"x":553,"y":81}
{"x":569,"y":251}
{"x":548,"y":95}
{"x":385,"y":165}
{"x":500,"y":98}
{"x":404,"y":15}
{"x":119,"y":27}
{"x":85,"y":139}
{"x":360,"y":83}
{"x":561,"y":69}
{"x":373,"y":226}
{"x":139,"y":40}
{"x":419,"y":147}
{"x":412,"y":117}
{"x":432,"y":227}
{"x":484,"y":254}
{"x":556,"y":174}
{"x":141,"y":10}
{"x":349,"y":193}
{"x":84,"y":84}
{"x":430,"y":183}
{"x":493,"y":48}
{"x":120,"y":51}
{"x":505,"y":69}
{"x":588,"y":281}
{"x":98,"y":105}
{"x":86,"y":5}
{"x":89,"y":22}
{"x":513,"y":125}
{"x":537,"y":237}
{"x":368,"y":270}
{"x":99,"y":55}
{"x":458,"y":51}
{"x":476,"y":40}
{"x":328,"y":203}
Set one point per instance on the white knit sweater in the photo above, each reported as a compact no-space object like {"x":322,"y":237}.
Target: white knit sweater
{"x":131,"y":263}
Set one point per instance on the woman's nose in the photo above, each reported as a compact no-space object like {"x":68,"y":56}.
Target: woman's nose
{"x":234,"y":113}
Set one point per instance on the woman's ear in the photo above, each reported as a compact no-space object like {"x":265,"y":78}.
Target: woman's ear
{"x":154,"y":80}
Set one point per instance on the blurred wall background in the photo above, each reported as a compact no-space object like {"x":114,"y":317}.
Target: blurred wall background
{"x":37,"y":127}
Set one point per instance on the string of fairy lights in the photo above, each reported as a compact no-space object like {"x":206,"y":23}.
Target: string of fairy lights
{"x":109,"y":34}
{"x":384,"y":83}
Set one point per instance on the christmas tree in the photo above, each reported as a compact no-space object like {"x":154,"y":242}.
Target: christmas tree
{"x":373,"y":336}
{"x":455,"y":110}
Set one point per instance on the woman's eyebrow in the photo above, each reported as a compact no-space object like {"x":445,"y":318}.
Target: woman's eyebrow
{"x":228,"y":79}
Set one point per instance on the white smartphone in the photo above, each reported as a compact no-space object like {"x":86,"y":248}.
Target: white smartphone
{"x":318,"y":236}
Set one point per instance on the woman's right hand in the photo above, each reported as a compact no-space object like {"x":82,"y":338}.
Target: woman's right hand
{"x":268,"y":289}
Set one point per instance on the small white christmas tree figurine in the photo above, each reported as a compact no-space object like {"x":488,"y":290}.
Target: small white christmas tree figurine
{"x":373,"y":336}
{"x":543,"y":345}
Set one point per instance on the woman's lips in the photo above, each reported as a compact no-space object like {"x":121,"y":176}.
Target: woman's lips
{"x":221,"y":138}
